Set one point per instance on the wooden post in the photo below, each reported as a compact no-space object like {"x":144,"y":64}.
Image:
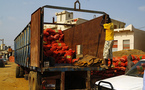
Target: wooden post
{"x":88,"y":87}
{"x":62,"y":85}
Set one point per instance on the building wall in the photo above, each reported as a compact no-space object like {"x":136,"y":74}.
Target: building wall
{"x":136,"y":37}
{"x":79,"y":21}
{"x":126,"y":35}
{"x":67,"y":18}
{"x":139,"y":40}
{"x":50,"y":26}
{"x":118,"y":24}
{"x":2,"y":46}
{"x":58,"y":18}
{"x":63,"y":16}
{"x":69,"y":15}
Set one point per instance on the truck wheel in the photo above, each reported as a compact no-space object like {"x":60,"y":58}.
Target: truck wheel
{"x":17,"y":72}
{"x":34,"y":81}
{"x":26,"y":76}
{"x":30,"y":80}
{"x":2,"y":64}
{"x":21,"y":72}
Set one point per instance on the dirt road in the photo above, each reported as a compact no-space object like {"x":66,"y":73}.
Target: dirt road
{"x":8,"y":81}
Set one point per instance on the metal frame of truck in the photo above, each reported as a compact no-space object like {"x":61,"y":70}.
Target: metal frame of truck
{"x":29,"y":46}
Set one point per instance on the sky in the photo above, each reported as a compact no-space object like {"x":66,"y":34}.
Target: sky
{"x":15,"y":14}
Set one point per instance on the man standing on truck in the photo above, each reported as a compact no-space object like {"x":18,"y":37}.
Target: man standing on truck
{"x":109,"y":38}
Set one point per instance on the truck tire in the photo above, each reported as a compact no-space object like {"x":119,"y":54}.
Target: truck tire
{"x":17,"y":72}
{"x":2,"y":64}
{"x":21,"y":72}
{"x":26,"y":76}
{"x":34,"y":81}
{"x":30,"y":80}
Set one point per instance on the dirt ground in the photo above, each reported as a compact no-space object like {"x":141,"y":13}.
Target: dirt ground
{"x":8,"y":81}
{"x":128,"y":52}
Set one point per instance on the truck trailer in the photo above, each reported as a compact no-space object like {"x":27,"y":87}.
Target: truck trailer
{"x":30,"y":57}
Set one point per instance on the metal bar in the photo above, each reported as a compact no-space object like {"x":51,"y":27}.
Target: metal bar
{"x":72,"y":9}
{"x":71,"y":68}
{"x":23,"y":30}
{"x":59,"y":24}
{"x":76,"y":3}
{"x":22,"y":47}
{"x":41,"y":39}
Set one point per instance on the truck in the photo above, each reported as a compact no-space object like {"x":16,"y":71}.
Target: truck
{"x":30,"y":58}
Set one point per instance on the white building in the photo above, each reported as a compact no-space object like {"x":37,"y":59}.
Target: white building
{"x":118,"y":24}
{"x":2,"y":47}
{"x":129,"y":38}
{"x":65,"y":18}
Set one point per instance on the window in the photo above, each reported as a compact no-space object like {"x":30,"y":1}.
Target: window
{"x":126,"y":44}
{"x":69,"y":15}
{"x":115,"y":26}
{"x":115,"y":46}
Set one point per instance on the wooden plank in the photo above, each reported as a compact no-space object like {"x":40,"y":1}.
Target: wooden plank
{"x":62,"y":84}
{"x":88,"y":86}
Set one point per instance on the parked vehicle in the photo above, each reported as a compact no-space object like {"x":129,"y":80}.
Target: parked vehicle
{"x":132,"y":80}
{"x":41,"y":72}
{"x":2,"y":63}
{"x":6,"y":61}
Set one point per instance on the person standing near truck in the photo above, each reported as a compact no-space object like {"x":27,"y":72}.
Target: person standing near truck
{"x":109,"y":38}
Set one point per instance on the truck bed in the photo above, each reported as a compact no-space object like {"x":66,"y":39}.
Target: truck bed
{"x":71,"y":68}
